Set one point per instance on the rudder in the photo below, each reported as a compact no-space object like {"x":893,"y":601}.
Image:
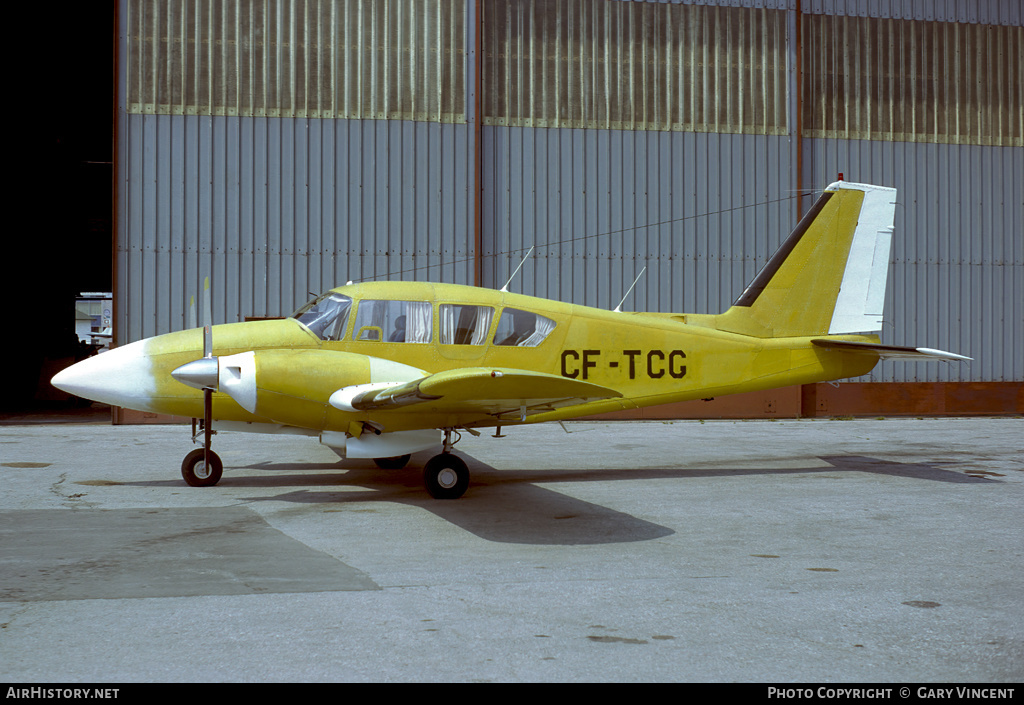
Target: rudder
{"x":829,"y":275}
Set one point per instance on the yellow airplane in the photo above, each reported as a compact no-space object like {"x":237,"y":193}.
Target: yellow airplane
{"x":385,"y":369}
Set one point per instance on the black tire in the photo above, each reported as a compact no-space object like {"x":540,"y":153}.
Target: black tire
{"x":446,"y":476}
{"x":195,"y":472}
{"x":396,"y":463}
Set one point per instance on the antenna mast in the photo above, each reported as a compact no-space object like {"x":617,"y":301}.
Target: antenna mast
{"x":505,"y":288}
{"x":618,"y":309}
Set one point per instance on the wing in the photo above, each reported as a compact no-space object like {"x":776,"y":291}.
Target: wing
{"x":494,"y":391}
{"x":888,"y":352}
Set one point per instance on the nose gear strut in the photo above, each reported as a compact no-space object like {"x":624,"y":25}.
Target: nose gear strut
{"x":202,"y":467}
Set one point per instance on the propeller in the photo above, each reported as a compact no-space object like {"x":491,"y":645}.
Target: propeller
{"x":203,"y":373}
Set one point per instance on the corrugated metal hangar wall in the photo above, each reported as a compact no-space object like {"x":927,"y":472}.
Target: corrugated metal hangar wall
{"x":283,"y":147}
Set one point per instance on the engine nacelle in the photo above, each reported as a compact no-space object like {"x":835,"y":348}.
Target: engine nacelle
{"x":293,"y":386}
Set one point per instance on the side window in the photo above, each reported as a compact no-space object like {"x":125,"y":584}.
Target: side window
{"x":522,"y":328}
{"x":464,"y":325}
{"x":326,"y":315}
{"x":393,"y":321}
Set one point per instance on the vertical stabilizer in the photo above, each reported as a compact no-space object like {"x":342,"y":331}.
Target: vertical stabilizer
{"x":862,"y":292}
{"x":829,"y":275}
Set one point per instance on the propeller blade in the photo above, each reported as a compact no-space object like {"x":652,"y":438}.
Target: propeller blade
{"x":207,"y":304}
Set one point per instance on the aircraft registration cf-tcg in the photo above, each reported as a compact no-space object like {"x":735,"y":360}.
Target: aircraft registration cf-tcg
{"x":385,"y":369}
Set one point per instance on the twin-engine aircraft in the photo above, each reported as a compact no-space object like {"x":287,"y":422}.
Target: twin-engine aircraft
{"x":383,"y":370}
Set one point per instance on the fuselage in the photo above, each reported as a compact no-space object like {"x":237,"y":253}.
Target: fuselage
{"x":396,"y":331}
{"x":388,"y":369}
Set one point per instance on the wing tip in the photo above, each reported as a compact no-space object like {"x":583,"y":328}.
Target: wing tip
{"x":944,"y":354}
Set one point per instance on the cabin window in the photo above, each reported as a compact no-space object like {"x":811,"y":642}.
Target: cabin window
{"x":522,"y":328}
{"x":393,"y":321}
{"x":464,"y":325}
{"x":326,"y":316}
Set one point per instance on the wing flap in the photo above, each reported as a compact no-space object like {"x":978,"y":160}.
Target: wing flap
{"x":474,"y":389}
{"x":888,"y":352}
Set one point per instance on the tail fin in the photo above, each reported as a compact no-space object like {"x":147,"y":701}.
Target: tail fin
{"x":829,"y":276}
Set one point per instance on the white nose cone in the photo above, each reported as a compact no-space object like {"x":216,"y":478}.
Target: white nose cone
{"x":120,"y":377}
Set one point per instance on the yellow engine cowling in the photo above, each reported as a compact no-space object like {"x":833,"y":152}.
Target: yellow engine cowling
{"x":293,"y":387}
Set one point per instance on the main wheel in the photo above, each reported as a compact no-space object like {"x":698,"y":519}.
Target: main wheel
{"x":446,"y":476}
{"x":198,"y":473}
{"x":396,"y":463}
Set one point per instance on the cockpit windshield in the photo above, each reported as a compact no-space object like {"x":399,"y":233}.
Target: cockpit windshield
{"x":326,"y":315}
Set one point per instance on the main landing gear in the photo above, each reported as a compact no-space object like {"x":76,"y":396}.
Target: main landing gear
{"x":446,"y":476}
{"x":394,"y":463}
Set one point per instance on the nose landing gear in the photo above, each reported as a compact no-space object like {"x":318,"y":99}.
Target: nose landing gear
{"x":202,"y":467}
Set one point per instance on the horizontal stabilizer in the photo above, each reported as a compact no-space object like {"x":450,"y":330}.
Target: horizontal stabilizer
{"x":888,"y":352}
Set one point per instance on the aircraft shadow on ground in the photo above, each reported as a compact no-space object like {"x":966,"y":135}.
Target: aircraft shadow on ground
{"x":511,"y":506}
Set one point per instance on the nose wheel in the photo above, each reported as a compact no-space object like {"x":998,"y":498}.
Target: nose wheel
{"x":202,"y":468}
